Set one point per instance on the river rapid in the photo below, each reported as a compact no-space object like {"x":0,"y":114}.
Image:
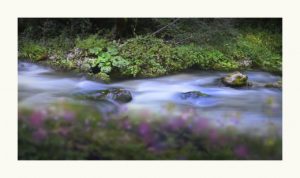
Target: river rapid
{"x":252,"y":108}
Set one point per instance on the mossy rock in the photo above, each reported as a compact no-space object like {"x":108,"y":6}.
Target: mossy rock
{"x":192,"y":95}
{"x":102,"y":76}
{"x":117,"y":94}
{"x":235,"y":79}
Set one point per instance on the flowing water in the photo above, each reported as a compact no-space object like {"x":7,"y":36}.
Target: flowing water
{"x":245,"y":108}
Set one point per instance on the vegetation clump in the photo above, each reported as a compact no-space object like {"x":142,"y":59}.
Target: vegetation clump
{"x":33,"y":51}
{"x":225,"y":48}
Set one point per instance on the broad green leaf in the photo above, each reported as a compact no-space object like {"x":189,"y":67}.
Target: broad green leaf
{"x":105,"y":69}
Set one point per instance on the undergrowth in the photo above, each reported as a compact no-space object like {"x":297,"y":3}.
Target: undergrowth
{"x":148,"y":56}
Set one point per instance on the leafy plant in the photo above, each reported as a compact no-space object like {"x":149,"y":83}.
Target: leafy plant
{"x":102,"y":76}
{"x":119,"y":62}
{"x":260,"y":47}
{"x":95,"y":50}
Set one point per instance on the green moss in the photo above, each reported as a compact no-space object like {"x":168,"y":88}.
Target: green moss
{"x":239,"y":81}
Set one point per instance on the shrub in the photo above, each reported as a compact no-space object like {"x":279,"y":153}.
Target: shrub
{"x":260,"y":47}
{"x":32,"y":51}
{"x":106,"y":59}
{"x":145,"y":55}
{"x":150,"y":57}
{"x":90,"y":42}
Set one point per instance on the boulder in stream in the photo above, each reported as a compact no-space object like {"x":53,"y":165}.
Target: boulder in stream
{"x":235,"y":79}
{"x":192,"y":95}
{"x":116,"y":94}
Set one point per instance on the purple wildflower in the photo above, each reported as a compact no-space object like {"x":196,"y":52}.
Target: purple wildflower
{"x":176,"y":123}
{"x":36,"y":119}
{"x":201,"y":125}
{"x":144,"y":128}
{"x":241,"y":151}
{"x":39,"y":135}
{"x":213,"y":136}
{"x":145,"y":132}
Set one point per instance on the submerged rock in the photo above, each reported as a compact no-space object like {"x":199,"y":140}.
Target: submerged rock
{"x":192,"y":95}
{"x":235,"y":79}
{"x":116,"y":94}
{"x":119,"y":94}
{"x":256,"y":84}
{"x":277,"y":84}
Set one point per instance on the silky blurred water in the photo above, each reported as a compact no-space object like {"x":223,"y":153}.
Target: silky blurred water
{"x":246,"y":108}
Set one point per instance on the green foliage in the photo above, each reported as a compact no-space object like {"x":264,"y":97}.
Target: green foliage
{"x":205,"y":58}
{"x":215,"y":48}
{"x":102,"y":76}
{"x":147,"y":56}
{"x":92,"y":41}
{"x":181,"y":58}
{"x":60,"y":43}
{"x":32,"y":51}
{"x":119,"y":62}
{"x":264,"y":49}
{"x":103,"y":60}
{"x":108,"y":58}
{"x":152,"y":57}
{"x":63,"y":64}
{"x":95,"y":50}
{"x":66,"y":64}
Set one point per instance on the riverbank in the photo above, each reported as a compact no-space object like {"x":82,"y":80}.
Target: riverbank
{"x":145,"y":56}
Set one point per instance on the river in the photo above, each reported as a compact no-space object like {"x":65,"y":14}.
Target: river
{"x":246,"y":108}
